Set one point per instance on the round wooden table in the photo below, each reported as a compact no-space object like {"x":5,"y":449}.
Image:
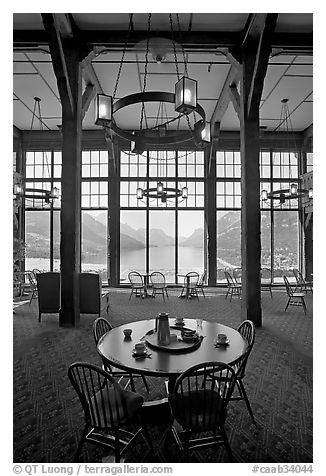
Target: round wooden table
{"x":117,"y":350}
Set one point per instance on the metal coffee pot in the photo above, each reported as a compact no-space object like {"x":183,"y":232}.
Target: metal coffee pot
{"x":163,"y":329}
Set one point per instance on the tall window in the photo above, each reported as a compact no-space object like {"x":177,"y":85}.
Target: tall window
{"x":42,"y":233}
{"x":166,"y":237}
{"x":279,"y":222}
{"x":228,"y":211}
{"x":94,"y":217}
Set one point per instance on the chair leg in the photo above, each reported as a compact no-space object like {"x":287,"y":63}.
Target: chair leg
{"x":227,"y":444}
{"x":39,"y":316}
{"x":130,"y":294}
{"x":80,"y":444}
{"x":287,"y":304}
{"x":132,"y":383}
{"x":244,"y":395}
{"x":304,"y":305}
{"x":117,"y":446}
{"x":31,"y":297}
{"x":145,"y":383}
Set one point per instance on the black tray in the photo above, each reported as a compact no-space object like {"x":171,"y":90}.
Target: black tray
{"x":175,"y":346}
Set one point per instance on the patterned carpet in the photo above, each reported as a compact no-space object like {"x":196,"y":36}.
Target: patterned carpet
{"x":47,"y":417}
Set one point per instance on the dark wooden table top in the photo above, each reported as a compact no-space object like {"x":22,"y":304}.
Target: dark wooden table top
{"x":118,"y":351}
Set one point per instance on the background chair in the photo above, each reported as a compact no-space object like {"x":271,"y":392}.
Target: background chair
{"x":302,"y":284}
{"x":91,"y":294}
{"x":233,"y":287}
{"x":247,"y":330}
{"x":266,"y":280}
{"x":295,"y":298}
{"x":48,"y":292}
{"x":237,"y":274}
{"x":32,"y":285}
{"x":199,"y":405}
{"x":107,"y":408}
{"x":158,"y":284}
{"x":201,"y":282}
{"x":190,"y":284}
{"x":100,"y":327}
{"x":137,"y":284}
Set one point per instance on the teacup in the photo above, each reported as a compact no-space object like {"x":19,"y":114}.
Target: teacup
{"x":179,"y":320}
{"x":221,"y":338}
{"x":140,"y":348}
{"x":127,"y":333}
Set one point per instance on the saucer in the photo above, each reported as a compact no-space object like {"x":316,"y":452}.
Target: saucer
{"x":226,"y":342}
{"x":139,"y":354}
{"x":179,"y":323}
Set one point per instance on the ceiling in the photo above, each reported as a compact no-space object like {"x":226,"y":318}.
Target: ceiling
{"x":289,"y":74}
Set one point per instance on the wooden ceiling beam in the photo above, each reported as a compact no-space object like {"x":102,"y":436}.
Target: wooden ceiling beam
{"x":221,"y":106}
{"x":88,"y":96}
{"x":201,"y":40}
{"x":58,"y":59}
{"x":235,"y":99}
{"x":63,"y":24}
{"x":259,"y":38}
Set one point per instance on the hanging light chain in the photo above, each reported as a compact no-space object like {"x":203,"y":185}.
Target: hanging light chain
{"x":185,"y":62}
{"x":182,"y":48}
{"x":177,"y":70}
{"x":146,"y":65}
{"x":174,"y":49}
{"x":122,"y":57}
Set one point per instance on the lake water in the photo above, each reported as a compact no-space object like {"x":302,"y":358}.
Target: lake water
{"x":161,"y":259}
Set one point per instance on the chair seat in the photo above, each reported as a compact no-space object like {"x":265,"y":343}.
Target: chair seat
{"x":197,"y":410}
{"x":117,"y":416}
{"x":299,"y":295}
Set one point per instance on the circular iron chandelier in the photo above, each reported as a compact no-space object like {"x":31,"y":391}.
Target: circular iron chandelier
{"x":185,"y":103}
{"x":184,"y":99}
{"x":294,"y":191}
{"x":19,"y":189}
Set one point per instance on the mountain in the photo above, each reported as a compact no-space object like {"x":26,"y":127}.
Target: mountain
{"x":160,"y":238}
{"x":94,"y":239}
{"x":195,"y":240}
{"x":128,"y":243}
{"x":139,"y":234}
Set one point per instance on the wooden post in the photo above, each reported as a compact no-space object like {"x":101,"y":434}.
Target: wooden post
{"x":70,"y":195}
{"x":254,"y":61}
{"x":114,"y":217}
{"x":250,"y":220}
{"x":210,"y":211}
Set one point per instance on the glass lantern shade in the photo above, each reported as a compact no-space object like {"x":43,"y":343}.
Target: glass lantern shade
{"x":159,"y":188}
{"x":103,"y":110}
{"x":185,"y":95}
{"x":310,"y":193}
{"x":264,"y":195}
{"x":54,"y":193}
{"x":293,"y":189}
{"x":206,"y":133}
{"x":18,"y":189}
{"x":184,"y":192}
{"x":137,"y":146}
{"x":140,"y":193}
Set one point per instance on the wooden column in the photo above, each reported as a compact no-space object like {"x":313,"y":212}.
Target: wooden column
{"x":308,"y":249}
{"x":250,"y":221}
{"x":67,"y":52}
{"x":70,"y":196}
{"x":114,"y":217}
{"x":254,"y":61}
{"x":210,"y":211}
